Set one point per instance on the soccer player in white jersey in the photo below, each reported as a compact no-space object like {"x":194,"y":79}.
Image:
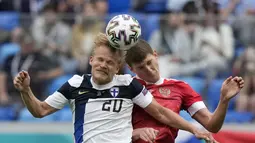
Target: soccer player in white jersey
{"x":102,"y":102}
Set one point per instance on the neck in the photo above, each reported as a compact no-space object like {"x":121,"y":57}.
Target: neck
{"x":100,"y":82}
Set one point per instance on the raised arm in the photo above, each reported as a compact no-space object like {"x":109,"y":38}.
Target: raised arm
{"x":36,"y":107}
{"x":214,"y":121}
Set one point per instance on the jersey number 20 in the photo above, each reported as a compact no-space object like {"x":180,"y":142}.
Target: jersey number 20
{"x":112,"y":105}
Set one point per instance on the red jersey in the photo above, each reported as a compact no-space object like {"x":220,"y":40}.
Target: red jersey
{"x":172,"y":94}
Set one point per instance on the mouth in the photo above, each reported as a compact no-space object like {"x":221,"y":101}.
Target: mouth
{"x":101,"y":71}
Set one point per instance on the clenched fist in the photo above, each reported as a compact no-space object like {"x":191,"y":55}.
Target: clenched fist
{"x":22,"y":81}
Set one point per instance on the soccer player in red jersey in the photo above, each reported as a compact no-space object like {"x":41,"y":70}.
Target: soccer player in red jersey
{"x":175,"y":95}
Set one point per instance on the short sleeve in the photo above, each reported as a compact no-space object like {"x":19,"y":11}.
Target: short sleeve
{"x":142,"y":97}
{"x":192,"y":101}
{"x":59,"y":98}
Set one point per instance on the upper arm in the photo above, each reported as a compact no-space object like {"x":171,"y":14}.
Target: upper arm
{"x":60,"y":97}
{"x":202,"y":116}
{"x":142,"y":97}
{"x":192,"y":101}
{"x":47,"y":109}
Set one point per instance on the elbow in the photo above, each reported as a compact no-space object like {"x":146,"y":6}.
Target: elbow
{"x":38,"y":115}
{"x":213,"y":129}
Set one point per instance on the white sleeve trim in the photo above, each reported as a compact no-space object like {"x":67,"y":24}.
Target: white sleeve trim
{"x":195,"y":107}
{"x":56,"y":100}
{"x":143,"y":100}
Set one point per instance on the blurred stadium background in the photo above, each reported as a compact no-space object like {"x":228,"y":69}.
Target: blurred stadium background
{"x":201,"y":42}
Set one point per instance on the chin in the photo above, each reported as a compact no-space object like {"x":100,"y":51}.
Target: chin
{"x":101,"y":79}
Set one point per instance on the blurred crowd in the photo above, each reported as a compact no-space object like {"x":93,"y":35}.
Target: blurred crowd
{"x":208,"y":39}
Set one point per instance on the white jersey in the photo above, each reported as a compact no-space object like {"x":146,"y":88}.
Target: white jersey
{"x":101,"y":113}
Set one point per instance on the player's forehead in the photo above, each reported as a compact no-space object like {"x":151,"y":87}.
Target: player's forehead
{"x":147,"y":58}
{"x":105,"y":53}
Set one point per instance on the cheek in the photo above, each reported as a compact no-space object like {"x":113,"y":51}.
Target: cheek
{"x":141,"y":74}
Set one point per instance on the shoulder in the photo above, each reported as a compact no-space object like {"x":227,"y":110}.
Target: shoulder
{"x":76,"y":80}
{"x":178,"y":84}
{"x":175,"y":81}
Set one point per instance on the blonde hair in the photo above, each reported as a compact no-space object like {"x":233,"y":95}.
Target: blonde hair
{"x":101,"y":40}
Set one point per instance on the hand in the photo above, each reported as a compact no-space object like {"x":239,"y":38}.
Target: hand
{"x":22,"y":81}
{"x":203,"y":135}
{"x":230,"y":87}
{"x":211,"y":139}
{"x":146,"y":134}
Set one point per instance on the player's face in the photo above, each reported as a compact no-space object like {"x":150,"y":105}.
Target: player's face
{"x":148,"y":69}
{"x":104,"y":65}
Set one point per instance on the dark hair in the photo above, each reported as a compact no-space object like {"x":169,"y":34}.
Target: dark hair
{"x":191,"y":9}
{"x":138,"y":52}
{"x":210,"y":6}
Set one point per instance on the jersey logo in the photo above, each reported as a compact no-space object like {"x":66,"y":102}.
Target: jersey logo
{"x":145,"y":91}
{"x":114,"y":91}
{"x":164,"y":91}
{"x":82,"y":92}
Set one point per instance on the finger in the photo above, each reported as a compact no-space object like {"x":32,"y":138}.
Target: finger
{"x":156,"y":132}
{"x":25,"y":73}
{"x":146,"y":138}
{"x":21,"y":74}
{"x":17,"y":86}
{"x":241,"y":81}
{"x":20,"y":78}
{"x":17,"y":81}
{"x":206,"y":138}
{"x":237,"y":79}
{"x":228,"y":79}
{"x":150,"y":134}
{"x":153,"y":134}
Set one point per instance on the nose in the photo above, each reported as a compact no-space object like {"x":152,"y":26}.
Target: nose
{"x":103,"y":65}
{"x":148,"y":69}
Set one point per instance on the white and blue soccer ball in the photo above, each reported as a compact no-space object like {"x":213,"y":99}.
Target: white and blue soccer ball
{"x":123,"y":31}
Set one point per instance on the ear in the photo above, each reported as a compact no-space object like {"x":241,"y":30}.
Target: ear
{"x":118,"y":68}
{"x":155,"y":53}
{"x":90,"y":60}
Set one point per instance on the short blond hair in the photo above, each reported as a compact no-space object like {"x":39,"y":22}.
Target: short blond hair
{"x":101,"y":40}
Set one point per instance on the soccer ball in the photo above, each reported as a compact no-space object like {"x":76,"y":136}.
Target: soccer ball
{"x":123,"y":31}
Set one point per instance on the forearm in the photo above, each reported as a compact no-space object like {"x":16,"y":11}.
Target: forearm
{"x":174,"y":120}
{"x":32,"y":103}
{"x":217,"y":119}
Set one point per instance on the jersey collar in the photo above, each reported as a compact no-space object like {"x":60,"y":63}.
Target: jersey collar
{"x":104,"y":86}
{"x":160,"y":81}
